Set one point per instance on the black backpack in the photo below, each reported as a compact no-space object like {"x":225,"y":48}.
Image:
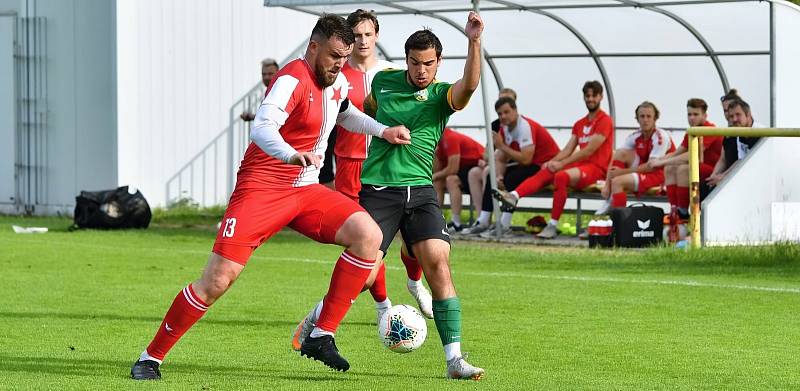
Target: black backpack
{"x":111,"y":209}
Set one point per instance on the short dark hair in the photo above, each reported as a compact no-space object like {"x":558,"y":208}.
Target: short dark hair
{"x":361,"y":15}
{"x":330,"y":25}
{"x":697,"y":103}
{"x":739,"y":102}
{"x":730,"y":95}
{"x":503,"y":101}
{"x":424,"y":39}
{"x":650,"y":105}
{"x":593,"y":85}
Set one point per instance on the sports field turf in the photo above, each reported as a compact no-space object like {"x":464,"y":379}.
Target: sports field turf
{"x":76,"y":308}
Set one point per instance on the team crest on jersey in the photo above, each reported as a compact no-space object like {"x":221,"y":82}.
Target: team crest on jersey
{"x":586,"y":129}
{"x":421,"y":95}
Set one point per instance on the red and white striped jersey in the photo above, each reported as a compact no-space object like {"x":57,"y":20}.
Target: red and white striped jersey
{"x":312,"y":113}
{"x":658,"y":145}
{"x":354,"y":145}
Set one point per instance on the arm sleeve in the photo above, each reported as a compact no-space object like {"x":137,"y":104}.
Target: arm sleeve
{"x":660,"y":149}
{"x":630,"y":141}
{"x":352,"y":119}
{"x":272,"y":115}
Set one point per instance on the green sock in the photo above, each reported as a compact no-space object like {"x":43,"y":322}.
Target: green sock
{"x":447,"y":316}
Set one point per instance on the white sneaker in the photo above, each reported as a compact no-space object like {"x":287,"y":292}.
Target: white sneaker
{"x":604,"y":209}
{"x":458,"y":368}
{"x":549,"y":232}
{"x":423,"y":297}
{"x":475,"y":229}
{"x":505,"y":232}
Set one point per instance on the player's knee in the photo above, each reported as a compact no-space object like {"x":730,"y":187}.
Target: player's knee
{"x":367,"y":232}
{"x":453,"y":181}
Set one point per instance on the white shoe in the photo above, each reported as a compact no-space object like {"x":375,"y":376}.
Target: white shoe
{"x":475,"y":229}
{"x":604,"y":209}
{"x":458,"y":368}
{"x":549,"y":232}
{"x":303,"y":330}
{"x":505,"y":232}
{"x":423,"y":297}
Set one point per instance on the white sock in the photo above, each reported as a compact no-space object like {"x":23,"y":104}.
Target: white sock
{"x":554,"y":223}
{"x":414,"y":284}
{"x":383,"y":305}
{"x":452,"y":350}
{"x":145,"y":356}
{"x":515,"y":194}
{"x":483,"y":218}
{"x":505,"y":219}
{"x":456,"y":219}
{"x":318,"y":332}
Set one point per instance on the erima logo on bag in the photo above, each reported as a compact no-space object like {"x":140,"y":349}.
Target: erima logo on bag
{"x":643,"y":225}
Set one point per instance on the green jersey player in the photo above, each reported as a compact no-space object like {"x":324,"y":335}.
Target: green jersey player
{"x":397,"y":189}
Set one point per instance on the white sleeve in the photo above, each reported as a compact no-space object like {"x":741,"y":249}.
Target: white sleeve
{"x":664,"y":142}
{"x":271,"y":116}
{"x":352,"y":119}
{"x":630,"y":141}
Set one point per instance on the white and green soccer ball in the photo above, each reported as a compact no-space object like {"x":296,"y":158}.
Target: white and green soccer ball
{"x":402,"y":329}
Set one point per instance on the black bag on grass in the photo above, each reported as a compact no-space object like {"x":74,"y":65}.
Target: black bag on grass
{"x":112,"y":209}
{"x":638,"y":225}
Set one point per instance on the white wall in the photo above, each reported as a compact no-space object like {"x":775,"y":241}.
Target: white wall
{"x":787,"y":29}
{"x":767,"y":176}
{"x":182,"y":64}
{"x":81,"y":97}
{"x":7,"y":109}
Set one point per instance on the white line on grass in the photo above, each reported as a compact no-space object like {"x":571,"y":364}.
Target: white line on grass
{"x":688,"y":283}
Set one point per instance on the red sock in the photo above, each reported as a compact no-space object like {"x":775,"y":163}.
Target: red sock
{"x":619,"y":163}
{"x":186,"y":309}
{"x":560,"y":183}
{"x":347,"y":280}
{"x":378,"y":288}
{"x":535,"y":183}
{"x":682,"y":194}
{"x":672,"y":195}
{"x":619,"y":200}
{"x":413,"y":269}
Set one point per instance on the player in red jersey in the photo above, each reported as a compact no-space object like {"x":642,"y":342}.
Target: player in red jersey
{"x":628,"y":171}
{"x":277,"y":187}
{"x":523,"y":146}
{"x":676,"y":164}
{"x":576,"y":169}
{"x":456,"y":154}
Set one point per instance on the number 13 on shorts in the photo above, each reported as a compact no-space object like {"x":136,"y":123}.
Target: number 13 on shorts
{"x":230,"y":227}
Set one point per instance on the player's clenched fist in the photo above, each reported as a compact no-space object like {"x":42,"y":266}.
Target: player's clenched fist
{"x":305,"y":159}
{"x":474,"y":26}
{"x":397,"y":135}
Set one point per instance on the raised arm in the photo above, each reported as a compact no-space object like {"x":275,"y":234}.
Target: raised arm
{"x":462,"y":90}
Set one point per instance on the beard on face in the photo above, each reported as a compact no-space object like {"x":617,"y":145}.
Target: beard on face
{"x":324,"y":78}
{"x":591,"y":106}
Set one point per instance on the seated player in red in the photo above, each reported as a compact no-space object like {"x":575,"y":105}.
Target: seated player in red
{"x":456,"y":154}
{"x":570,"y":168}
{"x":628,"y":172}
{"x":676,"y":164}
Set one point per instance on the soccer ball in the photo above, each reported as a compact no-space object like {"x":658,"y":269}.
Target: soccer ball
{"x":402,"y":329}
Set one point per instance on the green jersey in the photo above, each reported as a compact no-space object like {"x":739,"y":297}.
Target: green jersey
{"x":424,"y":112}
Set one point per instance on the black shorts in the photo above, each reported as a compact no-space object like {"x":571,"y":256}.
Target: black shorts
{"x":412,"y":210}
{"x":463,"y":175}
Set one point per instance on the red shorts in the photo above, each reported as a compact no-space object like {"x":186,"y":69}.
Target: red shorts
{"x":705,"y":171}
{"x":590,"y":174}
{"x":254,"y":215}
{"x":348,"y":176}
{"x":649,"y":180}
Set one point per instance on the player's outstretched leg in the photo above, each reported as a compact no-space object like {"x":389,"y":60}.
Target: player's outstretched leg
{"x":362,"y":238}
{"x":189,"y":306}
{"x":434,"y":255}
{"x":414,"y":284}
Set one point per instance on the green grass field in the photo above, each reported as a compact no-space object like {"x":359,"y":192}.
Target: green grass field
{"x":76,"y":308}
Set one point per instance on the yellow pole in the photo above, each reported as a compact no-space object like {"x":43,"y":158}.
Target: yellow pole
{"x":694,"y":190}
